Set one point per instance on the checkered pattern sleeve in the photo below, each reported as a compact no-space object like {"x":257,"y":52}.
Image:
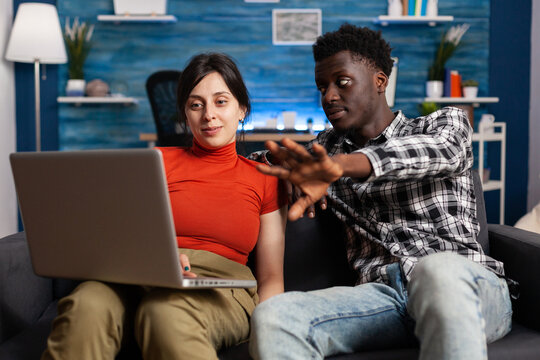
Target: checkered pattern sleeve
{"x":437,"y":145}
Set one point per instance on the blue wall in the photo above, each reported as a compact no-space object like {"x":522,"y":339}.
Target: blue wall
{"x":510,"y":47}
{"x":278,"y":77}
{"x":281,"y":77}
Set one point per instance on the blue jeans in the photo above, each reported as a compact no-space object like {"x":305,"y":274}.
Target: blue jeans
{"x":452,"y":306}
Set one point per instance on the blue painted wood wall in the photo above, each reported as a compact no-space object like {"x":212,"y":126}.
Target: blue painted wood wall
{"x":278,"y":77}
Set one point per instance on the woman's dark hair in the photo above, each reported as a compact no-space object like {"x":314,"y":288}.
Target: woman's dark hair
{"x":203,"y":64}
{"x":366,"y":44}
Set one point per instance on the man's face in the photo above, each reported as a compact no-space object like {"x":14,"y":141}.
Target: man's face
{"x":349,"y":92}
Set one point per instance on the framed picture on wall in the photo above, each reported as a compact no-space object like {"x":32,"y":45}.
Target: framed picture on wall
{"x":296,"y":26}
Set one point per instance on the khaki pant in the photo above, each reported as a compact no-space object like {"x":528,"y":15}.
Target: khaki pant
{"x":97,"y":318}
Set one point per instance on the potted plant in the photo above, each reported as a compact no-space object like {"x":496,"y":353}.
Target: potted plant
{"x":470,"y":88}
{"x":448,"y":45}
{"x":427,"y":108}
{"x":77,"y":38}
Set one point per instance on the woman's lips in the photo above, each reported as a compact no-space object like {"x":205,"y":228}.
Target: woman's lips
{"x":211,"y":131}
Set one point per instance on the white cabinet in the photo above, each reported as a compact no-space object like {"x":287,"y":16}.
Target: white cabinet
{"x":495,"y":132}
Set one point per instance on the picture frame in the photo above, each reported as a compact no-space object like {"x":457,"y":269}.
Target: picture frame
{"x":296,"y":26}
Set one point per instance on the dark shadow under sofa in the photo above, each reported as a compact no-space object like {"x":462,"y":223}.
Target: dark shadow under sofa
{"x":314,"y":259}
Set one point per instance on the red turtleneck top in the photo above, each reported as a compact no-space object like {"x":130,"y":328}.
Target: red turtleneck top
{"x":217,"y":197}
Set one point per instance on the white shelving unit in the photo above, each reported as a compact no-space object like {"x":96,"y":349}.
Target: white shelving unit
{"x":462,"y":100}
{"x":79,"y":100}
{"x":385,"y":20}
{"x":492,"y":132}
{"x":137,"y":18}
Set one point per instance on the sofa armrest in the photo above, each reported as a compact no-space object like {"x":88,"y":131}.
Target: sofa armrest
{"x":23,"y":295}
{"x":519,"y":250}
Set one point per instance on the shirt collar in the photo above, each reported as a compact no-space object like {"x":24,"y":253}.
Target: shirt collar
{"x":390,"y":131}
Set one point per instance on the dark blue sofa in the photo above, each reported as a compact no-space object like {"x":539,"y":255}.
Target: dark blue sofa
{"x":314,"y":258}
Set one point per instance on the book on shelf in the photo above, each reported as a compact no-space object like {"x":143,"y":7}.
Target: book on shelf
{"x":411,"y":7}
{"x":405,"y":7}
{"x":455,"y":84}
{"x":414,"y":7}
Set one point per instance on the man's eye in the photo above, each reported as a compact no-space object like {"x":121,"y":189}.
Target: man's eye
{"x":322,"y":90}
{"x":343,"y":82}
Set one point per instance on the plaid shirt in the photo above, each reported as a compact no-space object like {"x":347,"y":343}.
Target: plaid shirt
{"x":419,"y":199}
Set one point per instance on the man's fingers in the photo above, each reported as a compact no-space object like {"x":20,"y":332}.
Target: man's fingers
{"x":319,"y":151}
{"x":277,"y":171}
{"x":298,"y":150}
{"x":323,"y":203}
{"x":299,"y":207}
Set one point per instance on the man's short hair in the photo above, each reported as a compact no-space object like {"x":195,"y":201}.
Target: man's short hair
{"x":368,"y":45}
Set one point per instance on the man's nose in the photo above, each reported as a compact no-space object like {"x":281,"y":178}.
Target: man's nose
{"x":331,"y":94}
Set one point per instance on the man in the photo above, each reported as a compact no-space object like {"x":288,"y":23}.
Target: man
{"x":403,"y":189}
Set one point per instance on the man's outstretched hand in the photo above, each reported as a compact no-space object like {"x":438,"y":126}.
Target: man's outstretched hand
{"x":312,"y":174}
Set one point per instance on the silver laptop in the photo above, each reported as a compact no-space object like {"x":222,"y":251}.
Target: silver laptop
{"x":102,"y":215}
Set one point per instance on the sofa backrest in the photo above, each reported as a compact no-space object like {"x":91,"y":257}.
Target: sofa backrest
{"x":481,"y":212}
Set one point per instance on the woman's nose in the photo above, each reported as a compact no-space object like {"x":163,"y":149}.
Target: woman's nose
{"x":210,"y":113}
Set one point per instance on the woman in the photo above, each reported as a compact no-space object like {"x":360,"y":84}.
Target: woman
{"x":222,"y":206}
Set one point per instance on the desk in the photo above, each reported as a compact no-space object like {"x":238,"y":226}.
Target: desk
{"x":151,"y":138}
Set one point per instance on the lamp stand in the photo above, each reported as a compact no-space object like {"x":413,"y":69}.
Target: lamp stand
{"x":37,"y":100}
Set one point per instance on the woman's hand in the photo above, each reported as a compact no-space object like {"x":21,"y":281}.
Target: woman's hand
{"x":186,"y":267}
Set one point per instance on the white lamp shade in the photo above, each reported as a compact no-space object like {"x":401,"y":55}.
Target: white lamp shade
{"x":36,"y":35}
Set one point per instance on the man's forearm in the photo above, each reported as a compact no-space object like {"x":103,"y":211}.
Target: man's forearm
{"x":356,"y":165}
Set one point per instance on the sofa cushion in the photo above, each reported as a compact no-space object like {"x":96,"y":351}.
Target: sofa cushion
{"x":23,"y":295}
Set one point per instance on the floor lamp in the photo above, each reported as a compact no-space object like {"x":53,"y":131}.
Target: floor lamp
{"x":36,"y":37}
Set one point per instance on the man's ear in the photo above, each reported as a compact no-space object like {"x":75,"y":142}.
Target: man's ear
{"x":381,"y":81}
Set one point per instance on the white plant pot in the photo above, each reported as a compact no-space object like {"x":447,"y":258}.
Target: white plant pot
{"x":470,"y":91}
{"x":432,"y":8}
{"x":75,"y":87}
{"x":434,"y":88}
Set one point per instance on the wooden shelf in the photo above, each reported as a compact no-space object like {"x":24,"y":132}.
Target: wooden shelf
{"x":488,"y":137}
{"x":79,"y":100}
{"x":461,"y":100}
{"x":492,"y":185}
{"x":138,"y":18}
{"x":151,"y":138}
{"x":386,"y":20}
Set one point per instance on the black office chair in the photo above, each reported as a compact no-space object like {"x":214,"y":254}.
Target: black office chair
{"x":161,"y":89}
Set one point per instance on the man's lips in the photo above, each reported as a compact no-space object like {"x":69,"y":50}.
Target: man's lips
{"x":212,"y":130}
{"x":334,"y":112}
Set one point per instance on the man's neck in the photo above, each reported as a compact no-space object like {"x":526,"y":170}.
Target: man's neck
{"x":381,"y":120}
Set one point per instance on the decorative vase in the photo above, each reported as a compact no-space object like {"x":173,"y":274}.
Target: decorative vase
{"x":434,"y":88}
{"x":431,"y":8}
{"x":470,"y":91}
{"x":395,"y":8}
{"x":75,"y":87}
{"x":97,"y":87}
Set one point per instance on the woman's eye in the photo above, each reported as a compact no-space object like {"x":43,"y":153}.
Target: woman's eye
{"x":221,"y":101}
{"x":196,"y":106}
{"x":343,"y":82}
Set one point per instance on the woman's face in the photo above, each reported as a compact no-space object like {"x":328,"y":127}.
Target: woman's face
{"x":213,"y":113}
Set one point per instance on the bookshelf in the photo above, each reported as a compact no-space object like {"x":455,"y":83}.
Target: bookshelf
{"x":385,"y":20}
